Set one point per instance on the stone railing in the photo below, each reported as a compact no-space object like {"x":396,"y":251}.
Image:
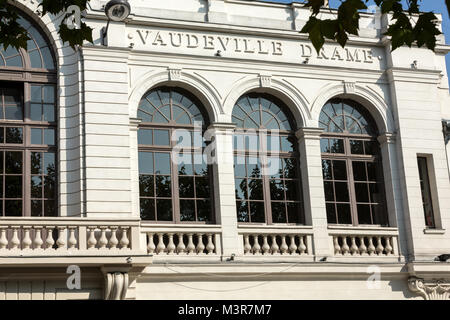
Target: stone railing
{"x":67,"y":236}
{"x":182,"y":240}
{"x":362,"y":241}
{"x":288,"y":241}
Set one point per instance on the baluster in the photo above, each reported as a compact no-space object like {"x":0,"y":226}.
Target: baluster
{"x":15,"y":242}
{"x":284,"y":247}
{"x":92,"y":241}
{"x":103,"y":241}
{"x":302,"y":246}
{"x":190,"y":246}
{"x":171,"y":245}
{"x":210,"y":246}
{"x":274,"y":248}
{"x":353,"y":248}
{"x":265,"y":246}
{"x":380,"y":248}
{"x":337,"y":247}
{"x":293,"y":246}
{"x":371,"y":247}
{"x":151,"y":244}
{"x":61,"y":234}
{"x":113,"y":241}
{"x":345,"y":248}
{"x":26,"y":240}
{"x":72,"y":239}
{"x":161,"y":247}
{"x":388,"y":246}
{"x":362,"y":246}
{"x":256,"y":247}
{"x":200,"y":246}
{"x":37,"y":241}
{"x":124,"y":242}
{"x":247,"y":246}
{"x":49,"y":241}
{"x":3,"y":239}
{"x":181,"y":247}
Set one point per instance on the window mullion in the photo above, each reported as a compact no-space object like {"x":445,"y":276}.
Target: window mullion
{"x":351,"y":184}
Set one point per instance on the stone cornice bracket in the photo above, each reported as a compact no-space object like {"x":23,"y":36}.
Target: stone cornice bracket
{"x":430,"y":290}
{"x":265,"y":80}
{"x":174,"y":74}
{"x":224,"y":127}
{"x":349,"y":87}
{"x":387,"y":137}
{"x":116,"y":283}
{"x":309,"y":133}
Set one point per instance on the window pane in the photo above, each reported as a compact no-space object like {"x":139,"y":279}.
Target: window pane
{"x":13,"y":186}
{"x":288,"y":144}
{"x":242,"y":211}
{"x":255,"y":189}
{"x":36,"y":208}
{"x":294,"y":212}
{"x":36,"y":187}
{"x":36,"y":136}
{"x":273,"y":143}
{"x":49,"y":137}
{"x":202,"y":187}
{"x":49,"y":112}
{"x":35,"y":59}
{"x":327,"y":170}
{"x":241,"y":189}
{"x":357,"y":146}
{"x":162,"y":163}
{"x":36,"y":163}
{"x":275,"y":167}
{"x":289,"y":167}
{"x":336,"y":146}
{"x":204,"y":210}
{"x":14,"y":135}
{"x":13,"y":208}
{"x":371,"y":147}
{"x":341,"y":189}
{"x":324,"y":147}
{"x":291,"y":190}
{"x":163,"y":186}
{"x":253,"y":167}
{"x":252,"y":142}
{"x":13,"y":112}
{"x":186,"y":187}
{"x":276,"y":190}
{"x":340,"y":170}
{"x":49,"y":94}
{"x":36,"y":94}
{"x":372,"y":171}
{"x":147,"y":209}
{"x":187,"y":210}
{"x":13,"y":162}
{"x":364,"y":214}
{"x":200,"y":165}
{"x":257,"y":212}
{"x":379,"y":215}
{"x":49,"y":163}
{"x":146,"y":187}
{"x":331,"y":213}
{"x":361,"y":192}
{"x":2,"y":135}
{"x":164,"y":210}
{"x":239,"y":167}
{"x":329,"y":192}
{"x":36,"y":112}
{"x":344,"y":215}
{"x":50,"y":208}
{"x":162,"y":137}
{"x":278,"y":212}
{"x":185,"y":164}
{"x":375,"y":193}
{"x":359,"y":171}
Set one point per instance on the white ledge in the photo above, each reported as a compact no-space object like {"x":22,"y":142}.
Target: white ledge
{"x":433,"y":231}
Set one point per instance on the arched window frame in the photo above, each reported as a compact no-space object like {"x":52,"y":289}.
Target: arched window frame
{"x":197,"y":130}
{"x":353,"y":149}
{"x":38,"y":144}
{"x":263,"y":154}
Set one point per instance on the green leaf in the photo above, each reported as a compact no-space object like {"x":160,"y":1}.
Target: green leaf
{"x":313,"y":28}
{"x":315,"y":5}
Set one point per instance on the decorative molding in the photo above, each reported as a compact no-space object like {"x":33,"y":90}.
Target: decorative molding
{"x":116,"y":285}
{"x":309,"y":133}
{"x":174,"y":74}
{"x":222,"y":126}
{"x":387,"y":137}
{"x":265,"y":80}
{"x":349,"y":87}
{"x":134,"y":123}
{"x":430,"y":289}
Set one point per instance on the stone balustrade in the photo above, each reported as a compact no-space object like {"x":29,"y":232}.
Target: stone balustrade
{"x":365,"y":242}
{"x":276,"y":241}
{"x":182,"y":240}
{"x":61,"y":236}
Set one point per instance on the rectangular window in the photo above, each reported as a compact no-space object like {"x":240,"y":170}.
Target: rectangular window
{"x":426,"y":192}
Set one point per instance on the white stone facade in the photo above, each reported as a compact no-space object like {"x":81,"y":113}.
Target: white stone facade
{"x":219,"y":50}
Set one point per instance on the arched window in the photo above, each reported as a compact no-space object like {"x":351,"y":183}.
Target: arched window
{"x":351,"y":162}
{"x":266,"y":165}
{"x":28,"y":123}
{"x":175,"y":186}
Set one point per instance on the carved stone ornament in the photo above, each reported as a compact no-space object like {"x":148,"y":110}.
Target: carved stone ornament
{"x":430,"y":289}
{"x":265,"y":81}
{"x":116,"y":285}
{"x":349,"y":87}
{"x":174,"y":74}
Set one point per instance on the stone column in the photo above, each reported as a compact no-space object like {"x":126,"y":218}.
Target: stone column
{"x":313,"y":190}
{"x":224,"y":189}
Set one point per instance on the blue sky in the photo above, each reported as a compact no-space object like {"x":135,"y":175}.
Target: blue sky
{"x":437,"y":6}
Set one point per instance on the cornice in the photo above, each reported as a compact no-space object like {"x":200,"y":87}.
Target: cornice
{"x":430,"y":289}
